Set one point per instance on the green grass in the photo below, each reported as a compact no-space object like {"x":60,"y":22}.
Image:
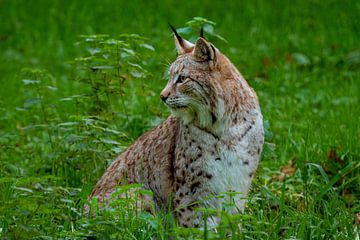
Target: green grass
{"x":302,"y":58}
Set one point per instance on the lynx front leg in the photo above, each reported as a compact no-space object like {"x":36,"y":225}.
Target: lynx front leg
{"x":188,"y":217}
{"x":188,"y":213}
{"x":191,"y":217}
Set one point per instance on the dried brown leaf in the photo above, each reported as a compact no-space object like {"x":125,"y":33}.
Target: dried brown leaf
{"x":286,"y":171}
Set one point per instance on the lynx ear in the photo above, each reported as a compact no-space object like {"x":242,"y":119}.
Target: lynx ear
{"x":203,"y":51}
{"x":182,"y":45}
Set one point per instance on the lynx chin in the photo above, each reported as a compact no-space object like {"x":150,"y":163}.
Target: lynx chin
{"x":210,"y":144}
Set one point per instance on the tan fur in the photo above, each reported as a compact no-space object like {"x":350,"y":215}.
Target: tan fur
{"x":210,"y":144}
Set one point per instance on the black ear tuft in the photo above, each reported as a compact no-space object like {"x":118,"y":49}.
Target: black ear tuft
{"x":202,"y":32}
{"x":182,"y":45}
{"x":179,"y":39}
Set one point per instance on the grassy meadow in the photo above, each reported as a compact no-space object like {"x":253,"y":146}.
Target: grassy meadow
{"x":80,"y":80}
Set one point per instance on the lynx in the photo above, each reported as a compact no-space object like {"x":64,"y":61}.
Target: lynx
{"x":210,"y":144}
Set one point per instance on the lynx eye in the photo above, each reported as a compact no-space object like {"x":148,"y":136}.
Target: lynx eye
{"x":181,"y":79}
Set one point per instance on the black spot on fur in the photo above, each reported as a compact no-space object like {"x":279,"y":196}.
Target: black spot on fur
{"x":213,"y":118}
{"x":246,"y":132}
{"x":217,"y":159}
{"x":194,"y":186}
{"x":258,"y":151}
{"x":199,"y":173}
{"x":246,"y":162}
{"x":208,"y":175}
{"x":245,"y":119}
{"x":199,"y":155}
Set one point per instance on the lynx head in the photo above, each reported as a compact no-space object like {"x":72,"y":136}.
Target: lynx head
{"x":201,"y":83}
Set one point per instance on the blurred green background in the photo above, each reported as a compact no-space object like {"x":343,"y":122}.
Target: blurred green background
{"x":301,"y":57}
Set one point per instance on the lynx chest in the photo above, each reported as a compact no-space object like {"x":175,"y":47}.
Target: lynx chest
{"x":211,"y":166}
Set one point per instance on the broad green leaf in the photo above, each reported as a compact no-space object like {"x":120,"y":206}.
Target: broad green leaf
{"x":147,"y":46}
{"x":52,"y":88}
{"x":64,"y":124}
{"x":32,"y":101}
{"x":24,"y":189}
{"x":93,"y":51}
{"x":102,"y":67}
{"x":209,"y":29}
{"x":30,"y":81}
{"x":184,"y":30}
{"x":136,"y":74}
{"x":109,"y":141}
{"x":301,"y":59}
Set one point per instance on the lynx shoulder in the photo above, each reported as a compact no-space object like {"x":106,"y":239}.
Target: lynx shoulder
{"x":210,"y":144}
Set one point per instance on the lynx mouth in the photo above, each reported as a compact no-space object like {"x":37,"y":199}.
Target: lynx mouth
{"x":179,"y":107}
{"x":175,"y":104}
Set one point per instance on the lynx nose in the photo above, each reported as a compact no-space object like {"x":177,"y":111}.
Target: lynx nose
{"x":164,"y":94}
{"x":164,"y":97}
